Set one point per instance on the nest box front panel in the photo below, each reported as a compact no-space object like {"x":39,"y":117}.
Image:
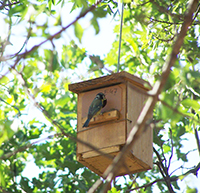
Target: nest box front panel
{"x":105,"y":133}
{"x":113,"y":94}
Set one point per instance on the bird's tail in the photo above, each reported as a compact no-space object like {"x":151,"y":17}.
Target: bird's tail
{"x":86,"y":123}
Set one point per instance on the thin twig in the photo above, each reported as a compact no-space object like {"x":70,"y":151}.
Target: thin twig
{"x":165,"y":10}
{"x":197,"y":11}
{"x":162,"y":21}
{"x":23,"y":55}
{"x":197,"y":139}
{"x":164,"y":172}
{"x":9,"y":4}
{"x":20,"y":149}
{"x":172,"y":149}
{"x":133,"y":182}
{"x":55,"y":123}
{"x":172,"y":179}
{"x":16,"y":108}
{"x":165,"y":40}
{"x":181,"y":167}
{"x":163,"y":155}
{"x":142,"y":4}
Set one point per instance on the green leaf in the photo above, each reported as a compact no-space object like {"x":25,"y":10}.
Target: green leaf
{"x":55,"y":63}
{"x":127,"y":1}
{"x":166,"y":148}
{"x":95,"y":24}
{"x":170,"y":18}
{"x":78,"y":30}
{"x":2,"y":175}
{"x":113,"y":190}
{"x":49,"y":4}
{"x":175,"y":184}
{"x":5,"y":130}
{"x":190,"y":103}
{"x":62,"y":101}
{"x":4,"y":80}
{"x":99,"y":12}
{"x":24,"y":184}
{"x":191,"y":190}
{"x":16,"y":9}
{"x":53,"y":2}
{"x":133,"y":44}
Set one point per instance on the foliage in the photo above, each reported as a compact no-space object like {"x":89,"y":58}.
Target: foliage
{"x":38,"y":113}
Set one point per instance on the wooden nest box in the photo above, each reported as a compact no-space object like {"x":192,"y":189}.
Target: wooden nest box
{"x":126,"y":96}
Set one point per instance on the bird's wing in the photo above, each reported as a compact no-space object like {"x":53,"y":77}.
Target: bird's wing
{"x":95,"y":107}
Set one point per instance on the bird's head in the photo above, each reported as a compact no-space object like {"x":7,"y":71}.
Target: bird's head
{"x":103,"y":98}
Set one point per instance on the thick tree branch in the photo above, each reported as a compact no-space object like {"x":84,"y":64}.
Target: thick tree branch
{"x":137,"y":130}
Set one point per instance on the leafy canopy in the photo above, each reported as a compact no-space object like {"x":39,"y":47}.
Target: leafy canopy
{"x":38,"y":62}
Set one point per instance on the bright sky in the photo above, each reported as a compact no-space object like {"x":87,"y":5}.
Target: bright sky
{"x":95,"y":44}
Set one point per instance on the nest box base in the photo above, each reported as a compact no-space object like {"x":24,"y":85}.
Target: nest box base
{"x":98,"y":163}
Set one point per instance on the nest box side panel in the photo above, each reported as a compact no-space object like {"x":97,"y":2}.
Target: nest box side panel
{"x":143,"y":148}
{"x":108,"y":133}
{"x":135,"y":103}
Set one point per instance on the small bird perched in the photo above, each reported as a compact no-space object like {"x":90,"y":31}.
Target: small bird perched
{"x":95,"y":108}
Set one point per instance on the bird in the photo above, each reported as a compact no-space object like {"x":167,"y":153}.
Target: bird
{"x":97,"y":104}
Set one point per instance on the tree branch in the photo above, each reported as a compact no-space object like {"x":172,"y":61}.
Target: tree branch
{"x":20,"y":149}
{"x":165,"y":10}
{"x":172,"y":149}
{"x":23,"y":55}
{"x":164,"y":172}
{"x":162,"y":21}
{"x":13,"y":106}
{"x":138,"y":129}
{"x":3,"y":4}
{"x":172,"y":179}
{"x":197,"y":139}
{"x":55,"y":123}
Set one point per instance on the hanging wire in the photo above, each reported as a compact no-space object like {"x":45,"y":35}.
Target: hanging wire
{"x":120,"y":36}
